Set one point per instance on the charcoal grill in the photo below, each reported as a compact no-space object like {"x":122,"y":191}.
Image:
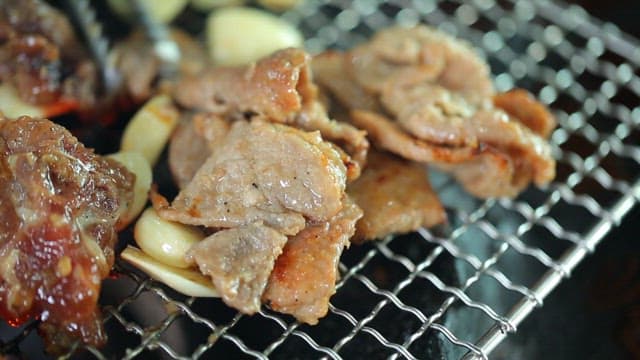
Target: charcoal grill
{"x":456,"y":291}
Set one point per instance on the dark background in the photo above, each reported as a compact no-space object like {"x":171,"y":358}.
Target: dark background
{"x":596,"y":313}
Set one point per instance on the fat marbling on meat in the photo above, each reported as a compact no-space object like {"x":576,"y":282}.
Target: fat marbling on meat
{"x":60,"y":205}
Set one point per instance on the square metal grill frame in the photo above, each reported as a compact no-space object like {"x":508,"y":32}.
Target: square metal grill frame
{"x":544,"y":28}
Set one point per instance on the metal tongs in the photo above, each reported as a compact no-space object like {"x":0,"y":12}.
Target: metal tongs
{"x":165,"y":48}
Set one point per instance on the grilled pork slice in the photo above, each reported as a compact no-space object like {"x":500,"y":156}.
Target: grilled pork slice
{"x":239,"y":262}
{"x":263,"y":172}
{"x":59,"y":210}
{"x":427,"y":97}
{"x":420,"y":54}
{"x":192,"y":143}
{"x":279,"y":88}
{"x":304,"y":276}
{"x":275,"y":88}
{"x":395,"y":196}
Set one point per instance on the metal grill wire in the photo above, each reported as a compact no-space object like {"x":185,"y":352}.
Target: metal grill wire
{"x":462,"y":290}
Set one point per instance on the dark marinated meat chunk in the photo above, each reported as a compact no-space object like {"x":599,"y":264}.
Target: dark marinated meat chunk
{"x":192,"y":143}
{"x":304,"y":276}
{"x":239,"y":261}
{"x":140,"y":67}
{"x":395,"y":196}
{"x":60,"y":205}
{"x":263,"y":172}
{"x":41,"y":58}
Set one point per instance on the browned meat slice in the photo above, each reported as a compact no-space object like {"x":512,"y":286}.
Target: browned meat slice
{"x":330,"y":72}
{"x":420,"y":54}
{"x":41,"y":57}
{"x":523,"y":107}
{"x":395,"y":196}
{"x":305,"y":275}
{"x":274,"y":88}
{"x":354,"y":141}
{"x":387,"y":135}
{"x":489,"y":174}
{"x":239,"y":261}
{"x":433,"y":114}
{"x":192,"y":143}
{"x":263,"y":172}
{"x":59,"y":209}
{"x":140,"y":67}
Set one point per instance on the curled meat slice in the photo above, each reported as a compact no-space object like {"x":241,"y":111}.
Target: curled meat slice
{"x":395,"y":196}
{"x":274,"y":88}
{"x":387,"y":135}
{"x":490,"y":173}
{"x":433,"y":114}
{"x":263,"y":172}
{"x":524,"y":108}
{"x":59,"y":208}
{"x":330,"y":72}
{"x":304,"y":276}
{"x":352,"y":140}
{"x":420,"y":54}
{"x":239,"y":262}
{"x":277,"y":88}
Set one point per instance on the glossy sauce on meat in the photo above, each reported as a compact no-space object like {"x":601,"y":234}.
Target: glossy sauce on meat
{"x":59,"y":208}
{"x":41,"y":57}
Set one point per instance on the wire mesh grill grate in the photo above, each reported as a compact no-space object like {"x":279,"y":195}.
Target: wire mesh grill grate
{"x":454,"y":291}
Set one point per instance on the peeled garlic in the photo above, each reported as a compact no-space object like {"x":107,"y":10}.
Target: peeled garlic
{"x":149,"y":129}
{"x":279,"y":5}
{"x":162,"y":11}
{"x":164,"y":240}
{"x":240,"y":35}
{"x":138,"y":165}
{"x":187,"y":281}
{"x":13,"y":107}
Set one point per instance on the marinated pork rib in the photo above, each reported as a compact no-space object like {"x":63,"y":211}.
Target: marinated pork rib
{"x":395,"y":196}
{"x":263,"y":172}
{"x":425,"y":96}
{"x":304,"y":276}
{"x":41,"y":57}
{"x":239,"y":261}
{"x":60,"y":204}
{"x":278,"y":89}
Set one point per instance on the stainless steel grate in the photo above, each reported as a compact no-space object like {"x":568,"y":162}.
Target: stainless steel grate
{"x":458,"y":291}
